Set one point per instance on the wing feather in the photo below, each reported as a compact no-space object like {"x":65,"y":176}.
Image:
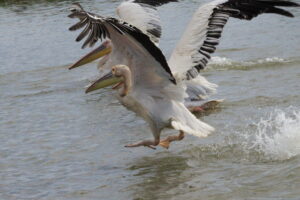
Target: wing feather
{"x":143,"y":15}
{"x":153,"y":2}
{"x":128,"y":40}
{"x":201,"y":37}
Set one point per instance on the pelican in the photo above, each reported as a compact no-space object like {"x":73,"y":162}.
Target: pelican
{"x":192,"y":53}
{"x":147,"y":85}
{"x":144,"y":16}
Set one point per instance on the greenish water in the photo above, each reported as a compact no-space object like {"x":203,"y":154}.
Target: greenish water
{"x":58,"y":143}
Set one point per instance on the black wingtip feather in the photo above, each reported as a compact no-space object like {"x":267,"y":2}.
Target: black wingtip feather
{"x":280,"y":3}
{"x":154,"y":2}
{"x":78,"y":25}
{"x":252,"y":8}
{"x":76,"y":7}
{"x":280,"y":11}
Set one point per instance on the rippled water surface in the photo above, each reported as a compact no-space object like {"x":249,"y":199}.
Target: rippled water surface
{"x":58,"y":143}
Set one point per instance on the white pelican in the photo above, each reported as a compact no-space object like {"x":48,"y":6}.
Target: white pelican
{"x":192,"y":53}
{"x":148,"y":87}
{"x":143,"y":15}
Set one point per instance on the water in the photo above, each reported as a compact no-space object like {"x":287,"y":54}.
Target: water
{"x":58,"y":143}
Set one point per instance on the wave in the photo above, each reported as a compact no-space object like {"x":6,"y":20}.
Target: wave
{"x":276,"y":136}
{"x":222,"y":63}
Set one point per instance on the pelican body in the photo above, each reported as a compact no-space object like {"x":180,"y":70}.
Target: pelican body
{"x":160,"y":108}
{"x":147,"y":86}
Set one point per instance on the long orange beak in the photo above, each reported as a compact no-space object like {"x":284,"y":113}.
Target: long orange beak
{"x":99,"y":52}
{"x":105,"y":81}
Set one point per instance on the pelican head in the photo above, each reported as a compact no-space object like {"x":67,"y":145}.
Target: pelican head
{"x":104,"y":49}
{"x":121,"y":71}
{"x":119,"y":75}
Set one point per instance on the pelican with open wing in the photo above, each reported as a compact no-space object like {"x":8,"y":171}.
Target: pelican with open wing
{"x":147,"y":85}
{"x":193,"y":51}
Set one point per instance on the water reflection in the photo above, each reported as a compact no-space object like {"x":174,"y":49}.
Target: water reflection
{"x":156,"y":176}
{"x":5,"y":3}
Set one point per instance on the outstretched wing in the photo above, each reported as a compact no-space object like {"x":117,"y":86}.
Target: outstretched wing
{"x":144,"y":57}
{"x":201,"y":37}
{"x":143,"y":15}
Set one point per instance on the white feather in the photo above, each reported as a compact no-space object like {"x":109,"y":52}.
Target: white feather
{"x":185,"y":121}
{"x":200,"y":88}
{"x":161,"y":110}
{"x":181,"y":59}
{"x":144,"y":18}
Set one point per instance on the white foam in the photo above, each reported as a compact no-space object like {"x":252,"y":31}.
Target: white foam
{"x":264,"y":61}
{"x":271,"y":60}
{"x":221,"y":61}
{"x":278,"y":136}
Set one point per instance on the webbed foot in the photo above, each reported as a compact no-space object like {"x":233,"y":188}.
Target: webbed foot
{"x":146,"y":143}
{"x":206,"y":107}
{"x":166,"y":142}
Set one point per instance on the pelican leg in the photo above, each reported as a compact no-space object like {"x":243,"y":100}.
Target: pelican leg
{"x":210,"y":105}
{"x":145,"y":143}
{"x":196,"y":109}
{"x":166,"y":142}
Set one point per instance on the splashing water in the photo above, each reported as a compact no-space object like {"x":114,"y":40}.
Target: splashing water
{"x":278,"y":136}
{"x":222,"y":63}
{"x":271,"y":60}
